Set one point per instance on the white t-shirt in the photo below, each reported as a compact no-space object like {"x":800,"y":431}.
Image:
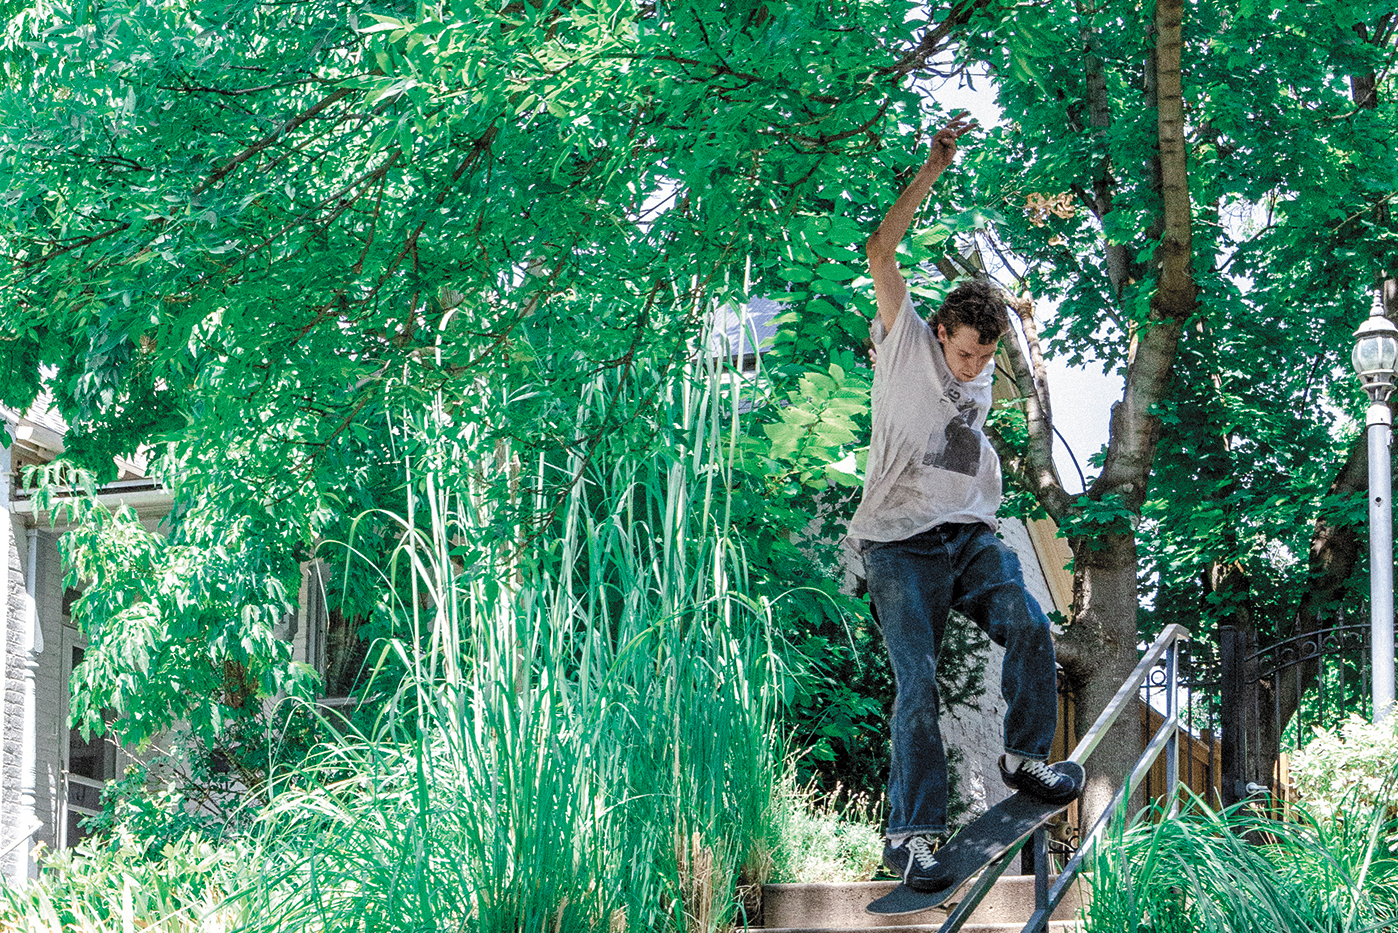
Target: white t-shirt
{"x":930,"y":462}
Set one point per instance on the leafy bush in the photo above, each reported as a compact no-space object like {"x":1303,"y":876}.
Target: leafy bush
{"x":182,"y":787}
{"x":825,"y":837}
{"x":113,"y":887}
{"x":1355,"y":765}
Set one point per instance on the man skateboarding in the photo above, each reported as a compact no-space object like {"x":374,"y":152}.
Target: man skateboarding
{"x":925,"y":528}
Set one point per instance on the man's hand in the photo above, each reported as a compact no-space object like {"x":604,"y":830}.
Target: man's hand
{"x":944,"y":143}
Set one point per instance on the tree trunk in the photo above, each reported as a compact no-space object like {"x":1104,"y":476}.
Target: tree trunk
{"x":1100,"y":645}
{"x":1098,"y":653}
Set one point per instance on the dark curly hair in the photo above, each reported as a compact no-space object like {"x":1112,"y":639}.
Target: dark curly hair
{"x":976,"y":304}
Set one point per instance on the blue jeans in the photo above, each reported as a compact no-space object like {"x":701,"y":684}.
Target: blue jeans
{"x":913,"y":584}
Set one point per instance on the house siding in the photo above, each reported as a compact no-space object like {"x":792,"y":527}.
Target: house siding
{"x":26,"y":689}
{"x":12,"y":614}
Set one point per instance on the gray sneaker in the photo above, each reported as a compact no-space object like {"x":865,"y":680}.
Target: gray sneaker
{"x":915,"y":862}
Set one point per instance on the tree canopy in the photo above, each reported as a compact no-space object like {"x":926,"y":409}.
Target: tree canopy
{"x":254,"y":234}
{"x":1204,"y":187}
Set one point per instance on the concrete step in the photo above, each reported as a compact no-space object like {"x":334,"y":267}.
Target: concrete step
{"x":838,"y":907}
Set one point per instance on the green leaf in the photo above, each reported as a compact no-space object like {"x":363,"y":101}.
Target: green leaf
{"x":836,"y":272}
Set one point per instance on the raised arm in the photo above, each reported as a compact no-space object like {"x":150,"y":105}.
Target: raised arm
{"x":882,"y":247}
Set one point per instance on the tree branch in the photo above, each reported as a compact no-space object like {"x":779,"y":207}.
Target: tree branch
{"x":1099,"y":118}
{"x":77,"y":243}
{"x":1176,"y":296}
{"x":1134,"y":426}
{"x":288,"y":127}
{"x":934,"y":39}
{"x":1024,"y":307}
{"x":1037,"y":470}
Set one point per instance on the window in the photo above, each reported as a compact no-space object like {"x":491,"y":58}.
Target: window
{"x":87,"y":764}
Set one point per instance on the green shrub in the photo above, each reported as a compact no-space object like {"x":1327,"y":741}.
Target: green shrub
{"x":114,"y":887}
{"x":1355,"y":764}
{"x":825,"y":837}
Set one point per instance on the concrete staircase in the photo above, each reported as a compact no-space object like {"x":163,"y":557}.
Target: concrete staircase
{"x":839,"y":908}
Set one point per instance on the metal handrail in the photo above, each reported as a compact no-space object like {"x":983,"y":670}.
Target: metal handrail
{"x":1166,"y":738}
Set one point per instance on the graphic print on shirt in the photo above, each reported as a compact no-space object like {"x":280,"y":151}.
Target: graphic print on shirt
{"x":956,"y":449}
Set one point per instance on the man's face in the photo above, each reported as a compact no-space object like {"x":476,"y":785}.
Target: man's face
{"x":965,"y":353}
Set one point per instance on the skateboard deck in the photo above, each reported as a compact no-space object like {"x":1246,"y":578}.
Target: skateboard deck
{"x":984,"y":840}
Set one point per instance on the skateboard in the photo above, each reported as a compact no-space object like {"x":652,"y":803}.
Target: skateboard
{"x":984,"y":840}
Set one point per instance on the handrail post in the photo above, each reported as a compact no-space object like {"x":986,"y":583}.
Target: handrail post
{"x":1041,"y":868}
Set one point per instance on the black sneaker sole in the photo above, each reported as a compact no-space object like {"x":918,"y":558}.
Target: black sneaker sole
{"x":929,"y":885}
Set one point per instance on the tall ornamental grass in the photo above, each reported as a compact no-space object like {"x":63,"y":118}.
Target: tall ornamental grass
{"x":1238,"y":871}
{"x":585,"y":735}
{"x":574,"y":718}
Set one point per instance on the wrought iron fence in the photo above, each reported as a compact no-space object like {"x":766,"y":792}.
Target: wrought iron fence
{"x":1244,"y":708}
{"x":1273,"y":696}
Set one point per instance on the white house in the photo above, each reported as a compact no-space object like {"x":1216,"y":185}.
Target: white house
{"x":50,"y":778}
